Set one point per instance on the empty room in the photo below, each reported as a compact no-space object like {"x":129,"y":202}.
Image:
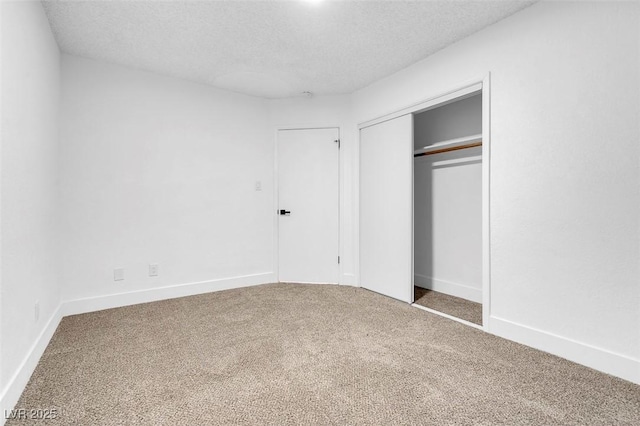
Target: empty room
{"x":327,"y":212}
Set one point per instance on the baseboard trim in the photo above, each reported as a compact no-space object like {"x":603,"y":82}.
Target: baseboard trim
{"x":98,"y":303}
{"x":603,"y":360}
{"x":16,"y":384}
{"x":448,"y":287}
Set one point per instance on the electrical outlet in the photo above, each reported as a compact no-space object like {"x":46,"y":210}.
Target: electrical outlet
{"x":258,"y":185}
{"x":153,"y":269}
{"x":36,"y":310}
{"x":118,"y":274}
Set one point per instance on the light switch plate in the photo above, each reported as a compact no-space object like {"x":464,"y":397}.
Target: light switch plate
{"x":118,"y":274}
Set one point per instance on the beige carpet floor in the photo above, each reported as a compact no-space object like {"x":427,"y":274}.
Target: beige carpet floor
{"x":454,"y":306}
{"x":307,"y":354}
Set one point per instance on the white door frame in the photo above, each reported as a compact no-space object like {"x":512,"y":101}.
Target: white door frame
{"x":276,"y":194}
{"x":476,"y":85}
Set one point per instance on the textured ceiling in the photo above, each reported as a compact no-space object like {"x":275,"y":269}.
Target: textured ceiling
{"x":272,"y":49}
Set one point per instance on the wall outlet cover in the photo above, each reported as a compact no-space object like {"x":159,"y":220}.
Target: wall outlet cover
{"x":153,"y":270}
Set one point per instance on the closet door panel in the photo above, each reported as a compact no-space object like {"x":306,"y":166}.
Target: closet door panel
{"x":386,"y":208}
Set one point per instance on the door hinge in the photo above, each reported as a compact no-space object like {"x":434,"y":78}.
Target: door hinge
{"x":338,"y":142}
{"x":338,"y":259}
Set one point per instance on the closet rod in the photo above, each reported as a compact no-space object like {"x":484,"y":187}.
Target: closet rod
{"x":451,"y":148}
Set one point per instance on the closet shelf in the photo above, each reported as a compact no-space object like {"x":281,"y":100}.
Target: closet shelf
{"x":450,"y":145}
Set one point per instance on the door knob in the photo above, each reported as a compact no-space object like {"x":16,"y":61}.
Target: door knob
{"x":284,"y":213}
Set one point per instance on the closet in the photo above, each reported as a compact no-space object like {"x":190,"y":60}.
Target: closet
{"x":447,"y":204}
{"x":423,"y":210}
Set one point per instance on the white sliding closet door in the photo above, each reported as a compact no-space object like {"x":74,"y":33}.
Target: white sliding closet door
{"x":386,"y":208}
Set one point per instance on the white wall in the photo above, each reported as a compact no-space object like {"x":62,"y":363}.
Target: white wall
{"x":30,"y":99}
{"x":565,"y":204}
{"x":327,"y":111}
{"x":158,"y":170}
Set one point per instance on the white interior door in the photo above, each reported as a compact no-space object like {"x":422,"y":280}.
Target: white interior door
{"x":308,"y":196}
{"x":386,"y":208}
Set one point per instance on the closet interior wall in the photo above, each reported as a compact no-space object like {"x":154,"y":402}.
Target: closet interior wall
{"x":448,"y":200}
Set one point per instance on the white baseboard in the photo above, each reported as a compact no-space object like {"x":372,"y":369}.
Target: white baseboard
{"x":98,"y":303}
{"x":448,"y":287}
{"x":618,"y":365}
{"x":16,"y":384}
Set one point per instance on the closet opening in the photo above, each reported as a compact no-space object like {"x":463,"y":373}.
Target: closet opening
{"x":448,"y":208}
